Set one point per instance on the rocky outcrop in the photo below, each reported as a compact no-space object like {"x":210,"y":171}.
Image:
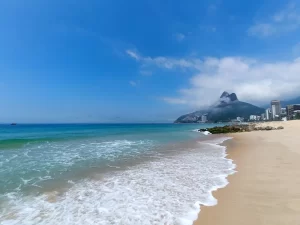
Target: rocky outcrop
{"x":233,"y":97}
{"x":226,"y":129}
{"x":238,"y":128}
{"x":224,"y":94}
{"x":226,"y":97}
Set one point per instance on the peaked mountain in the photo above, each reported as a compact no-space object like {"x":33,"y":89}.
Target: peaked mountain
{"x":227,"y":107}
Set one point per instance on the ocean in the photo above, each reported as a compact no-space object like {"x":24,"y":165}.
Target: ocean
{"x":108,"y":173}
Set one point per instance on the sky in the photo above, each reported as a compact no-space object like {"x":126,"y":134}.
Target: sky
{"x":143,"y":60}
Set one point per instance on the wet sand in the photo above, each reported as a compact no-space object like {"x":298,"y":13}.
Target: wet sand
{"x":266,"y":188}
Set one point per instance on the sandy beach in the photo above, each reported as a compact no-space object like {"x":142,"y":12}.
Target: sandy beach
{"x":266,"y":188}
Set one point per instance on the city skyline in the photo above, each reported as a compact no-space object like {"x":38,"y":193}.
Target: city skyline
{"x":275,"y":112}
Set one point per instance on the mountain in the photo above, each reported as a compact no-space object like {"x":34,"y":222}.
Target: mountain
{"x":227,"y":107}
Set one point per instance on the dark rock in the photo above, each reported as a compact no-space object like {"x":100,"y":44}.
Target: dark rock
{"x":280,"y":128}
{"x":237,"y":128}
{"x":233,"y":97}
{"x":224,"y":94}
{"x":225,"y":129}
{"x":269,"y":128}
{"x":203,"y":130}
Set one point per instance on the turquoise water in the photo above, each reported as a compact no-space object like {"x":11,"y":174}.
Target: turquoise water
{"x":31,"y":154}
{"x":66,"y":160}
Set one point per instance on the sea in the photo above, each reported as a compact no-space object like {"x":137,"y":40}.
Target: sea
{"x":131,"y":174}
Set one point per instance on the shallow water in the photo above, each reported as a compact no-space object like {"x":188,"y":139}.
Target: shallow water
{"x":108,"y":174}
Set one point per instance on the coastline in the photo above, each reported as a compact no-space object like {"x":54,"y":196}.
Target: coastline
{"x":132,"y":181}
{"x":265,"y":188}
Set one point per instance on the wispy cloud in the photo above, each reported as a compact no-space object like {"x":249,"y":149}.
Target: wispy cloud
{"x":262,"y":30}
{"x":283,"y":21}
{"x":92,"y":35}
{"x":296,"y":49}
{"x":165,"y":62}
{"x":133,"y":54}
{"x":133,"y":83}
{"x":251,"y":79}
{"x":179,"y":37}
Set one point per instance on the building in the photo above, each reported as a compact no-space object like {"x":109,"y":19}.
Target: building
{"x":268,"y":114}
{"x":283,"y":111}
{"x":252,"y":117}
{"x":240,"y":119}
{"x":276,"y":109}
{"x":263,"y":116}
{"x":291,"y":110}
{"x":297,"y":114}
{"x":204,"y":118}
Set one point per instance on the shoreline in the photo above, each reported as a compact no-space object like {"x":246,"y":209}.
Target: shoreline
{"x":263,"y":189}
{"x":148,"y":178}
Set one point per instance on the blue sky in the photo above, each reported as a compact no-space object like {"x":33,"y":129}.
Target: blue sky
{"x":142,"y":60}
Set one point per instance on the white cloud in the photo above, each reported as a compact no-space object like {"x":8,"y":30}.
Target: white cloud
{"x":286,"y":20}
{"x":251,"y":80}
{"x":133,"y":54}
{"x":179,"y":37}
{"x":132,"y":83}
{"x":165,"y":62}
{"x":262,"y":30}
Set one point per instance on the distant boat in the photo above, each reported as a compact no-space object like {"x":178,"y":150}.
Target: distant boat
{"x":13,"y":124}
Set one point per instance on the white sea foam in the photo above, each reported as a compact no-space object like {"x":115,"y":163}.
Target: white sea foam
{"x":206,"y":133}
{"x":202,"y":132}
{"x":37,"y":163}
{"x":168,"y":190}
{"x":216,"y":140}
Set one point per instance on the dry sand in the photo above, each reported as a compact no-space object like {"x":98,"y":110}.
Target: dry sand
{"x":266,"y":188}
